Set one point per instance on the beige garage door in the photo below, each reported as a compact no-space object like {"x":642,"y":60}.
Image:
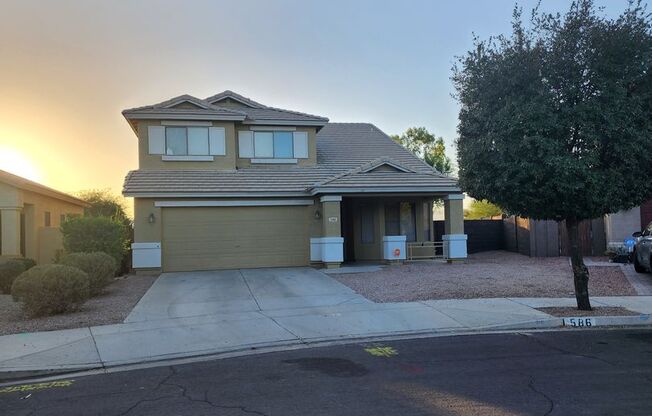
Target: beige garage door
{"x":235,"y":237}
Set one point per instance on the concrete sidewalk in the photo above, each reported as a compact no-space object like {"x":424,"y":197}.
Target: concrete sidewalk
{"x":222,"y":332}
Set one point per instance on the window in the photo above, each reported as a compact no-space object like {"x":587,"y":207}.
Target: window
{"x":47,"y":219}
{"x":274,"y":144}
{"x":62,"y":219}
{"x":197,"y":141}
{"x":400,"y":219}
{"x":367,"y":234}
{"x":188,"y":141}
{"x":283,"y":147}
{"x":263,"y":144}
{"x":175,"y":141}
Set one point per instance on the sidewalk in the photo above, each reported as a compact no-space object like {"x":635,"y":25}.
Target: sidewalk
{"x":139,"y":342}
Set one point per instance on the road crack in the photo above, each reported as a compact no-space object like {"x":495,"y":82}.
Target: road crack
{"x":551,"y":403}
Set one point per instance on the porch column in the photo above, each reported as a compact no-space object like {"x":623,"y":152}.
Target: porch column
{"x":454,"y":237}
{"x":332,"y":243}
{"x":10,"y":231}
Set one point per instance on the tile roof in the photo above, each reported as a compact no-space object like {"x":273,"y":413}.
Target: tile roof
{"x":251,"y":113}
{"x":347,"y":156}
{"x":25,"y":184}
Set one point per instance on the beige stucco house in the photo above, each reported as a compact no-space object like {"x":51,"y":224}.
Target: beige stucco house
{"x":226,"y":182}
{"x":30,"y":216}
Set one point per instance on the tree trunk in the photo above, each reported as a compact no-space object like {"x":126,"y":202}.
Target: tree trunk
{"x":580,"y":272}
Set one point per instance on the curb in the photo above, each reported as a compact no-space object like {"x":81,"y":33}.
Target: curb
{"x":16,"y":376}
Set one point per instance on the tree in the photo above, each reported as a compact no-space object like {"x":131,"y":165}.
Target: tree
{"x":556,"y":120}
{"x":482,"y":209}
{"x":426,"y":146}
{"x":104,"y":204}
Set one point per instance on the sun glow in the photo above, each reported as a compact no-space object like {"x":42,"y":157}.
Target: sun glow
{"x":13,"y":161}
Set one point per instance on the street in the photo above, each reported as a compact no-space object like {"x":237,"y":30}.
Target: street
{"x":544,"y":373}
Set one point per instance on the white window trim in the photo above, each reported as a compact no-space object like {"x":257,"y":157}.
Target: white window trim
{"x":271,"y":128}
{"x":272,"y":161}
{"x":189,"y":158}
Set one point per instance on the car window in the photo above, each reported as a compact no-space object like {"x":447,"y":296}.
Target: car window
{"x":648,"y":230}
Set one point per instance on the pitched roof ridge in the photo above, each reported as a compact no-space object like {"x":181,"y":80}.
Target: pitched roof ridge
{"x":232,"y":94}
{"x":169,"y":103}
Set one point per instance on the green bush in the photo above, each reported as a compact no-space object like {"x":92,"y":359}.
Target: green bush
{"x":51,"y":289}
{"x":27,"y":262}
{"x":100,"y":268}
{"x":9,"y":271}
{"x":92,"y":234}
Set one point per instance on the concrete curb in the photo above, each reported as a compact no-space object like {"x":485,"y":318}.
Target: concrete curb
{"x":17,"y":376}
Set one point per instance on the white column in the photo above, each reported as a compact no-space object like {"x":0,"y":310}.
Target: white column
{"x":454,"y":237}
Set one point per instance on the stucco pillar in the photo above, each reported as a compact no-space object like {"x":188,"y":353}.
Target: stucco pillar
{"x":10,"y":218}
{"x":454,"y":237}
{"x":331,"y":243}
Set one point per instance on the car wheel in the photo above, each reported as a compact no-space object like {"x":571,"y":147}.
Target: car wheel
{"x":638,"y":266}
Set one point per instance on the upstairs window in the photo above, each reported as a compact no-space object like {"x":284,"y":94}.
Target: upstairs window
{"x":46,"y":219}
{"x":276,"y":144}
{"x":186,"y":141}
{"x":273,"y":144}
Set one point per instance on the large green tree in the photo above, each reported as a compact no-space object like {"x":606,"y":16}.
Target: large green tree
{"x":427,"y":146}
{"x":103,"y":203}
{"x":482,"y":210}
{"x":556,"y":118}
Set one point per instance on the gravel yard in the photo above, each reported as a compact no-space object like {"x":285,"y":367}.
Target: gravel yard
{"x":491,"y":274}
{"x":111,"y":307}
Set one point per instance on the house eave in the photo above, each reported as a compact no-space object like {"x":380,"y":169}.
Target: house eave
{"x":387,"y":189}
{"x":181,"y":116}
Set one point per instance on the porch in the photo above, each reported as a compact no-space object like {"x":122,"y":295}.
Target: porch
{"x":386,"y":228}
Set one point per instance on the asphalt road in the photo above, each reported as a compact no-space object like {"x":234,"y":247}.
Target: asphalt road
{"x":559,"y":373}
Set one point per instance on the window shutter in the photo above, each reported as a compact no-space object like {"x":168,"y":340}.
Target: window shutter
{"x":217,"y":141}
{"x":156,"y":139}
{"x":246,"y":144}
{"x":300,"y":145}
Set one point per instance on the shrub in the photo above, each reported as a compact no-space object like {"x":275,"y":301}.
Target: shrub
{"x":92,"y":234}
{"x":100,"y":268}
{"x":51,"y":289}
{"x":9,"y":271}
{"x":27,"y":262}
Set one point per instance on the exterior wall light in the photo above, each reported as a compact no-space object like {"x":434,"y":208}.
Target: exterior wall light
{"x":317,"y":215}
{"x":151,"y":219}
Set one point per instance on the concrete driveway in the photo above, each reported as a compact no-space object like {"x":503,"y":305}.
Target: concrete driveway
{"x":177,"y":295}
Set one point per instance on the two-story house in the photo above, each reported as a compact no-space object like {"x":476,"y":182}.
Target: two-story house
{"x":226,"y":182}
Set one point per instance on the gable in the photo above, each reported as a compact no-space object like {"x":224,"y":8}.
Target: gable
{"x":385,"y":168}
{"x":229,"y":102}
{"x":187,"y":105}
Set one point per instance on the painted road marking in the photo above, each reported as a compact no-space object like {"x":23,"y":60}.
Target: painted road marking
{"x":381,"y":351}
{"x":37,"y":386}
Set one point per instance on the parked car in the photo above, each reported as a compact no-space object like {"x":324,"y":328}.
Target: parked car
{"x":643,"y":250}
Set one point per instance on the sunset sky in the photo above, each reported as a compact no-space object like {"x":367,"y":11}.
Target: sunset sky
{"x":68,"y":68}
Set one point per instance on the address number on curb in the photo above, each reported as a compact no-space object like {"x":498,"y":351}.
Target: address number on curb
{"x":579,"y":322}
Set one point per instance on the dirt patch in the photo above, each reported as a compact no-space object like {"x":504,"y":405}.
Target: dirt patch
{"x":111,"y":307}
{"x":491,"y":274}
{"x":599,"y":311}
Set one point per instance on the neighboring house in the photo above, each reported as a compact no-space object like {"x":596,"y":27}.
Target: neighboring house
{"x":30,"y":216}
{"x":621,"y":225}
{"x":226,"y":182}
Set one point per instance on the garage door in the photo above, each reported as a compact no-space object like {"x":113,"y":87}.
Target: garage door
{"x":235,"y":237}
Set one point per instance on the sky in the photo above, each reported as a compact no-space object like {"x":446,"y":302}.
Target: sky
{"x":68,"y":69}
